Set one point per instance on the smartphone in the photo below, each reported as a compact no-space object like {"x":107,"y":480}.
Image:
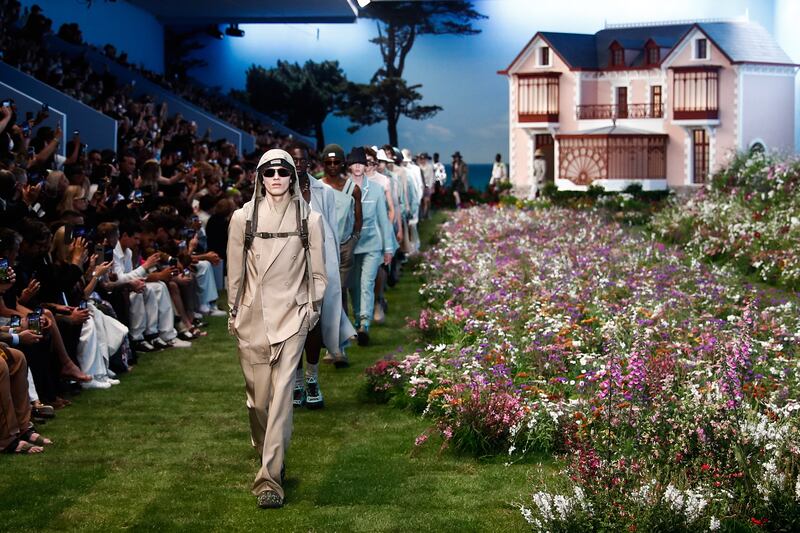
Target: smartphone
{"x":101,"y":187}
{"x":173,"y":262}
{"x":187,"y":272}
{"x":34,"y":323}
{"x":83,"y":305}
{"x":108,"y":254}
{"x":138,"y":197}
{"x":15,"y":322}
{"x":98,"y":249}
{"x":4,"y":278}
{"x":26,"y":129}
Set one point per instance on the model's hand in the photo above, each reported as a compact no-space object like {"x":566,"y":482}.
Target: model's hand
{"x":387,"y":258}
{"x":231,"y":319}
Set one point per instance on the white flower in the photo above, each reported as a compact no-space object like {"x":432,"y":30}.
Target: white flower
{"x":714,"y":524}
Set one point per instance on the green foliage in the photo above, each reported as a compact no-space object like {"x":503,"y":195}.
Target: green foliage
{"x":301,"y":96}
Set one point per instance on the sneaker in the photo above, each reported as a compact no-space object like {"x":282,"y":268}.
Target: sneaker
{"x":216,"y":312}
{"x":95,"y":384}
{"x":313,"y":394}
{"x":328,"y":358}
{"x":186,"y":335}
{"x":143,"y":346}
{"x":269,"y":499}
{"x":178,"y":343}
{"x":363,"y":336}
{"x":298,"y":396}
{"x":340,"y":360}
{"x":111,"y":374}
{"x":112,"y":381}
{"x":160,"y":344}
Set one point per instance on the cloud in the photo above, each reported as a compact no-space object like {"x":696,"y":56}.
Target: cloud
{"x":438,"y":132}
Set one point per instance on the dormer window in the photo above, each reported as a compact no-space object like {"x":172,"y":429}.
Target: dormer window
{"x":701,"y":49}
{"x":544,"y":56}
{"x":653,"y":55}
{"x":617,"y":58}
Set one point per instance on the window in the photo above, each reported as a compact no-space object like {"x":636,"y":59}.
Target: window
{"x":544,"y":56}
{"x":617,"y":57}
{"x":538,"y":97}
{"x":653,"y":55}
{"x":700,"y":152}
{"x":656,"y":104}
{"x":701,"y":49}
{"x":696,"y":93}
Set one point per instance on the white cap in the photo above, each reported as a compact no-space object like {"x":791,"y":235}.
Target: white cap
{"x":381,"y":156}
{"x":406,"y":155}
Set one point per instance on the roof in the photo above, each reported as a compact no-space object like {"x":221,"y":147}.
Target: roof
{"x":741,"y":42}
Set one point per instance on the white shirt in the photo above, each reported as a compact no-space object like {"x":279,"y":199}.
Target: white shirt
{"x":440,"y":173}
{"x":123,"y":266}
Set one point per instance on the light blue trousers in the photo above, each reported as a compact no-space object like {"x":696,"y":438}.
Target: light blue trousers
{"x":206,"y":286}
{"x":362,"y":286}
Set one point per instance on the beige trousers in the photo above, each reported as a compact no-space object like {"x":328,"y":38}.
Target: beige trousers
{"x":269,"y":393}
{"x":15,"y":406}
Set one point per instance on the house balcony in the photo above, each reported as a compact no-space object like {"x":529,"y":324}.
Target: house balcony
{"x":551,"y":117}
{"x":617,"y":111}
{"x":695,"y":114}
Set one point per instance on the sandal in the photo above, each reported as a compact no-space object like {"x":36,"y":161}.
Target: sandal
{"x":199,"y":333}
{"x":40,"y":410}
{"x":33,"y":437}
{"x":22,"y":447}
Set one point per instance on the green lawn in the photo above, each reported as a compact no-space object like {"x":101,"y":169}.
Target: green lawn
{"x":169,"y":449}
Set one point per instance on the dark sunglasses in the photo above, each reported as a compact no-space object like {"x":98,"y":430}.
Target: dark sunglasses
{"x":282,"y":172}
{"x":332,"y":162}
{"x":371,"y":163}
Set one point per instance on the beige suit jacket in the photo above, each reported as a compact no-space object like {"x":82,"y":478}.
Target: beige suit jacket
{"x":276,"y":269}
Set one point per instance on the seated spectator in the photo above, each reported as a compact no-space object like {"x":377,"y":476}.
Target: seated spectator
{"x":152,"y":317}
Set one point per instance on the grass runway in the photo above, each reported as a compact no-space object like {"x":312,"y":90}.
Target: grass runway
{"x":169,"y":450}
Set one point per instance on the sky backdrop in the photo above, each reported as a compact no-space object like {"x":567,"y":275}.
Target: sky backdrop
{"x":460,"y":73}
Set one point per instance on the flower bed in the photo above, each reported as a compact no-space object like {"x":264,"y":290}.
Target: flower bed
{"x":669,"y":387}
{"x":748,"y":215}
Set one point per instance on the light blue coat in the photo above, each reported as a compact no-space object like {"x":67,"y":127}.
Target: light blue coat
{"x":336,"y":327}
{"x":376,"y":230}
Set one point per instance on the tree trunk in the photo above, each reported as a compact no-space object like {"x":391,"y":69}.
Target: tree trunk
{"x":320,"y":135}
{"x":391,"y":124}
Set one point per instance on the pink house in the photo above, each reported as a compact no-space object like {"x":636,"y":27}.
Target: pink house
{"x":662,"y":105}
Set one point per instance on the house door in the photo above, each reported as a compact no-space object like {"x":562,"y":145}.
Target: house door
{"x":700,"y":155}
{"x":622,"y":102}
{"x":545,"y":143}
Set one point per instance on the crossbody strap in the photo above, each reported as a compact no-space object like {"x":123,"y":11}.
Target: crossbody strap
{"x":249,"y":234}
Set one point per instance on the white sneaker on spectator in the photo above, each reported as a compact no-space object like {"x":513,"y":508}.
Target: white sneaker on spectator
{"x":112,"y":381}
{"x":198,"y":315}
{"x":204,"y":309}
{"x":217,"y":312}
{"x":177,"y":343}
{"x":94,"y":384}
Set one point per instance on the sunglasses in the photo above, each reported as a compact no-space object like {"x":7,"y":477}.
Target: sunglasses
{"x":371,"y":163}
{"x":332,"y":162}
{"x":282,"y":172}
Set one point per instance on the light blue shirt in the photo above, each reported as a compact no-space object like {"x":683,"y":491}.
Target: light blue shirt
{"x":376,"y":230}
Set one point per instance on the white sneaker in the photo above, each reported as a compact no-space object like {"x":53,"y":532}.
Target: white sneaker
{"x":203,"y":309}
{"x":94,"y":384}
{"x":178,"y":343}
{"x":217,"y":312}
{"x":112,"y":381}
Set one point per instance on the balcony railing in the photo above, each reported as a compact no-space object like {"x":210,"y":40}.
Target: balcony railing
{"x":616,"y":111}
